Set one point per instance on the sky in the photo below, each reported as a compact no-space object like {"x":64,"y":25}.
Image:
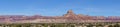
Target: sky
{"x":60,"y":7}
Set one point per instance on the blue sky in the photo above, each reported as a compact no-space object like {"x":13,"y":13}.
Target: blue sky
{"x":60,"y":7}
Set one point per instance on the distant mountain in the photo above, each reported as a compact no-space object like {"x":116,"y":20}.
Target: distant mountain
{"x":70,"y":17}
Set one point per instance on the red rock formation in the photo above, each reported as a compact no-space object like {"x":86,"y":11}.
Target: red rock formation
{"x":71,"y":15}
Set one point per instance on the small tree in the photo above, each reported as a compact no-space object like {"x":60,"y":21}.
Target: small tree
{"x":90,"y":25}
{"x":116,"y":25}
{"x":110,"y":26}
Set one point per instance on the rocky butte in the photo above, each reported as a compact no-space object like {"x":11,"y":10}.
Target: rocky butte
{"x":70,"y":17}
